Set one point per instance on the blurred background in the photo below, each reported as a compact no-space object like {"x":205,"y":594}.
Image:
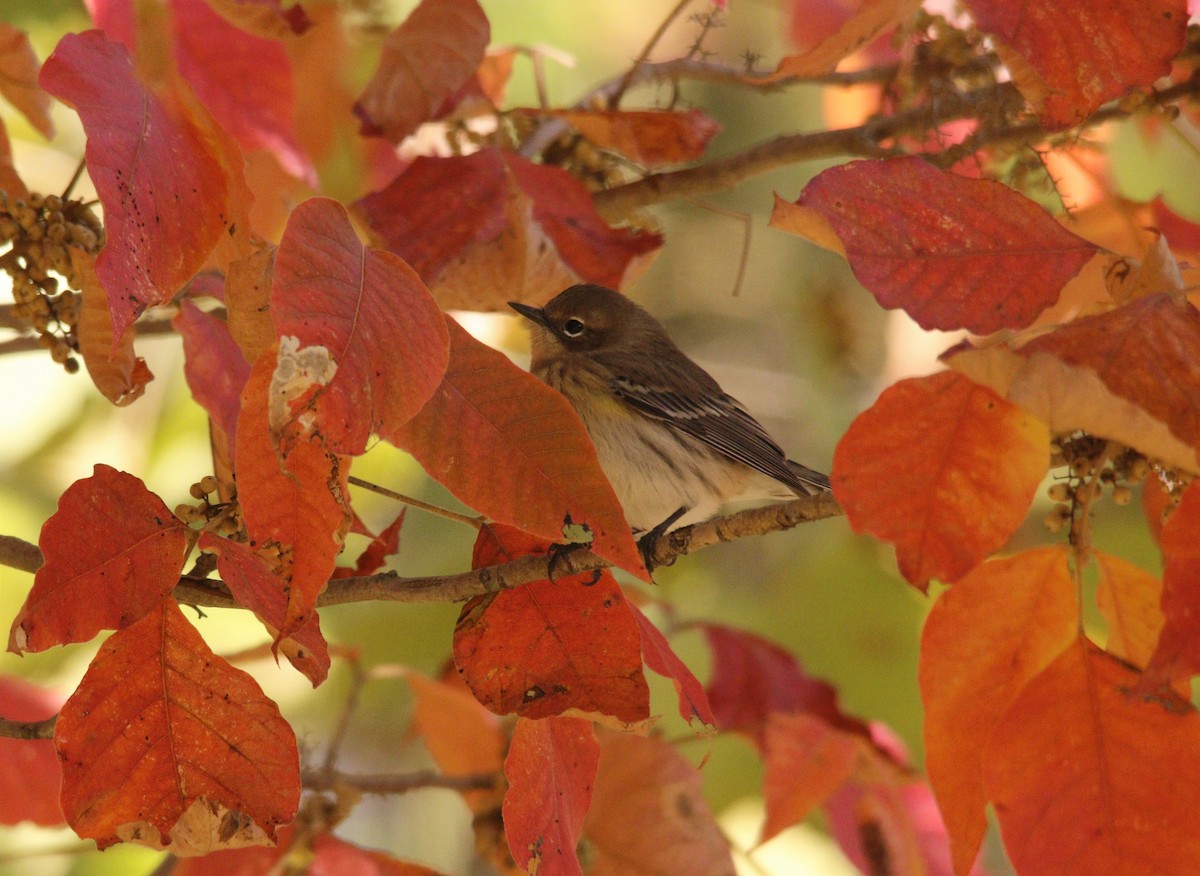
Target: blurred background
{"x":794,"y":337}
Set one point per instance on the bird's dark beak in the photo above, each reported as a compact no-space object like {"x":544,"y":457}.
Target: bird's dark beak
{"x":534,"y":314}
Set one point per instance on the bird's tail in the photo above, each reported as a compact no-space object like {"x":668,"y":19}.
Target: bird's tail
{"x":809,"y":477}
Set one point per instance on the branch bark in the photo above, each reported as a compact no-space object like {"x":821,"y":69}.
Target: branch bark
{"x":28,"y":729}
{"x":397,"y":783}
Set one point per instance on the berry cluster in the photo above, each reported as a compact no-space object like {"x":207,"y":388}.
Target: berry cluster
{"x":1092,"y":464}
{"x":221,"y":517}
{"x":42,"y":231}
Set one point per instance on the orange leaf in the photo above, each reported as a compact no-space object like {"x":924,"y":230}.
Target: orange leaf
{"x":512,"y":448}
{"x":492,"y":227}
{"x":985,"y":638}
{"x":19,"y":79}
{"x":368,"y":317}
{"x":871,"y":18}
{"x":656,"y":651}
{"x":1087,"y":778}
{"x":805,"y":761}
{"x":296,"y":500}
{"x":1178,"y":650}
{"x":254,"y":586}
{"x":1073,"y":55}
{"x":550,"y":767}
{"x":943,"y":247}
{"x":424,"y":61}
{"x":330,"y":857}
{"x":159,"y":168}
{"x":10,"y":180}
{"x":551,"y":647}
{"x":462,"y":736}
{"x":1129,"y":599}
{"x":942,"y":468}
{"x":1129,"y":374}
{"x":651,"y":138}
{"x":190,"y":753}
{"x":648,"y":815}
{"x":113,"y":551}
{"x":248,"y":301}
{"x":264,"y":18}
{"x":116,"y":370}
{"x":752,"y":679}
{"x":31,"y":779}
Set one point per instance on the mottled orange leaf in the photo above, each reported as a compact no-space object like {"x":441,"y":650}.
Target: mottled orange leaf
{"x":424,"y":61}
{"x":1086,"y":777}
{"x":651,"y":138}
{"x":752,"y":679}
{"x":248,"y":301}
{"x":514,"y":449}
{"x":943,"y":247}
{"x":191,"y":753}
{"x":255,"y":586}
{"x":295,"y":500}
{"x":656,"y":651}
{"x":492,"y":227}
{"x":550,"y":767}
{"x":986,"y":637}
{"x":113,"y":551}
{"x":31,"y":779}
{"x":1130,"y":374}
{"x":116,"y":370}
{"x":1178,"y":650}
{"x":1073,"y":55}
{"x":368,"y":319}
{"x":213,"y":365}
{"x":1129,"y":599}
{"x":870,"y":19}
{"x":264,"y":18}
{"x":461,"y":735}
{"x":243,"y":79}
{"x":331,"y":856}
{"x":159,"y":169}
{"x":19,"y":79}
{"x":805,"y":760}
{"x":648,"y":815}
{"x":547,"y":648}
{"x":942,"y":468}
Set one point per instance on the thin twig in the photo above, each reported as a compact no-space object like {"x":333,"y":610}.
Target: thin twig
{"x":398,"y":783}
{"x":16,"y":553}
{"x":615,"y":98}
{"x":473,"y":522}
{"x":28,"y":729}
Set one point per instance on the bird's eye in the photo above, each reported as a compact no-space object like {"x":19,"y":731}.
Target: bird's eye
{"x":573,"y":327}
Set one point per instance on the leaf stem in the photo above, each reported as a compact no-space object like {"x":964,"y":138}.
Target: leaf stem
{"x":473,"y":522}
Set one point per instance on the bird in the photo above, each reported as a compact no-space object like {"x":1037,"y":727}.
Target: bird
{"x":673,"y":444}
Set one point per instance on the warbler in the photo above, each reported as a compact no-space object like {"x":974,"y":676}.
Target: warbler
{"x":674,"y":446}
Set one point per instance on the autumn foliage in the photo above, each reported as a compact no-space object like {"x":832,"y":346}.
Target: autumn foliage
{"x":314,"y":323}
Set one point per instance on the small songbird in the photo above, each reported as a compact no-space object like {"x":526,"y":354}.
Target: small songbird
{"x":674,"y":445}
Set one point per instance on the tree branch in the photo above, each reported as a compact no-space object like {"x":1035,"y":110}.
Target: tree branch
{"x":397,"y":783}
{"x":28,"y":729}
{"x":16,"y":553}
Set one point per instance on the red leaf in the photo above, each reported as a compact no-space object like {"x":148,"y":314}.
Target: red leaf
{"x":648,"y":815}
{"x":551,"y":647}
{"x":113,"y":551}
{"x":375,"y":554}
{"x":550,"y":767}
{"x":944,"y":469}
{"x":158,"y":169}
{"x":491,"y":227}
{"x":256,"y":587}
{"x":651,"y":138}
{"x":295,"y":501}
{"x":425,"y":61}
{"x":512,"y":448}
{"x":189,"y":750}
{"x":330,"y":857}
{"x":985,"y":638}
{"x":943,"y":247}
{"x":19,"y":79}
{"x":31,"y":779}
{"x":213,"y":364}
{"x":656,"y":651}
{"x":1087,"y":778}
{"x":244,"y":80}
{"x":753,"y":678}
{"x":805,"y":761}
{"x":364,"y":313}
{"x":1070,"y":56}
{"x":1178,"y":651}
